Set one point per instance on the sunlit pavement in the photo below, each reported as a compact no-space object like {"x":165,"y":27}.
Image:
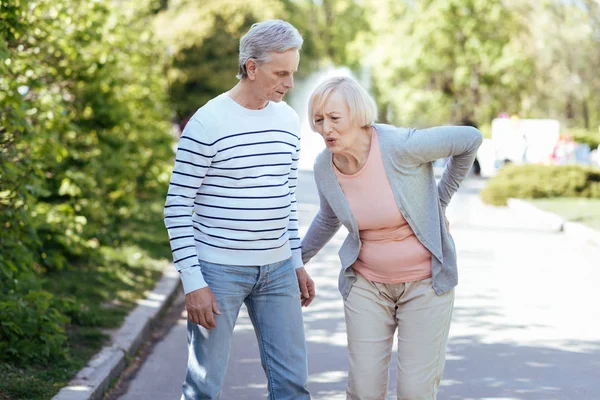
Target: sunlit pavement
{"x":526,"y":322}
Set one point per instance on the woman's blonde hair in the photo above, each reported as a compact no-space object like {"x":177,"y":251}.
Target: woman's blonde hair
{"x":363,"y":110}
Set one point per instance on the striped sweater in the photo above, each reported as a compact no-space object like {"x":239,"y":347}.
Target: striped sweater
{"x":232,"y":198}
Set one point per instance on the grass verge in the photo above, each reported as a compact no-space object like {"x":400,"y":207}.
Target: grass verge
{"x":105,"y":289}
{"x":585,"y":211}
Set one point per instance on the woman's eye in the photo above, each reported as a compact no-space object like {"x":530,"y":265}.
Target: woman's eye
{"x":318,"y":121}
{"x":334,"y":118}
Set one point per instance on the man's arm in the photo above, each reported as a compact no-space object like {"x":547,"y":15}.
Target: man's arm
{"x":293,"y":234}
{"x":193,"y":157}
{"x":305,"y":283}
{"x":460,"y":143}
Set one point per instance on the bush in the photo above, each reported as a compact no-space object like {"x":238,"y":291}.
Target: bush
{"x":591,"y":138}
{"x":542,"y":181}
{"x":84,"y":145}
{"x":32,"y":328}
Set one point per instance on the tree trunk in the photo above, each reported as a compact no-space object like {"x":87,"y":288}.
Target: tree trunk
{"x":586,"y":114}
{"x":569,"y":112}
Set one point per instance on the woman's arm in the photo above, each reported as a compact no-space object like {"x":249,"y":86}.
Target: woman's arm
{"x":460,"y":143}
{"x":321,"y":230}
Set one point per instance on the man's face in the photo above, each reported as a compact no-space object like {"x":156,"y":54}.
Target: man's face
{"x":274,"y":78}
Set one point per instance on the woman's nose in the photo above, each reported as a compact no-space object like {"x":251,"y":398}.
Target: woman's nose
{"x":327,"y":127}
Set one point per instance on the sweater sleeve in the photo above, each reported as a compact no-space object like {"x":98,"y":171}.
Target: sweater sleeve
{"x":293,"y":234}
{"x":192,"y":160}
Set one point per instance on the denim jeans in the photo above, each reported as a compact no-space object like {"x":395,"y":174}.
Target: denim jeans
{"x":272,"y":297}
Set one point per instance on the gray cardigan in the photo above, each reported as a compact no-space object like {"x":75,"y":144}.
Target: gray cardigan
{"x":407,"y":158}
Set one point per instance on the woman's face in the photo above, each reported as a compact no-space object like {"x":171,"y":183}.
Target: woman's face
{"x":333,"y":123}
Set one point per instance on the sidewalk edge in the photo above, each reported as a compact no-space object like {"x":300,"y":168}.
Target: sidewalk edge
{"x":573,"y":229}
{"x":93,"y":380}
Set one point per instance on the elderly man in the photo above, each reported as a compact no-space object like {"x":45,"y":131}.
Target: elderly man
{"x":232,"y":220}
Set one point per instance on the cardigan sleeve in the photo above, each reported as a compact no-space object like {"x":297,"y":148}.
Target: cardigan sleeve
{"x":321,"y":230}
{"x":458,"y":143}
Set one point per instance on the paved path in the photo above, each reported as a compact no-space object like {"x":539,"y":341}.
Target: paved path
{"x":526,"y":323}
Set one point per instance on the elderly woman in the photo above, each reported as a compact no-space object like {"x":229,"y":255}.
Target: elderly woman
{"x":398,"y":260}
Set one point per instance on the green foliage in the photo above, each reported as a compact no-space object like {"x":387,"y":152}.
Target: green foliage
{"x":85,"y":145}
{"x":203,"y":38}
{"x":566,"y":83}
{"x":542,"y":181}
{"x":32,"y":328}
{"x":438,"y":61}
{"x":584,"y":136}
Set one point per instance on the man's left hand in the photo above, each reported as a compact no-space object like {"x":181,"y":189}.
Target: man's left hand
{"x":306,"y":285}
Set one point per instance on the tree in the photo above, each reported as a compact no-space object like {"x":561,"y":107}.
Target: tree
{"x":448,"y":61}
{"x":203,"y":39}
{"x":566,"y":83}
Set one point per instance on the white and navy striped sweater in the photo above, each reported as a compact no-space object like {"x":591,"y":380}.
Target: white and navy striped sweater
{"x":232,"y":194}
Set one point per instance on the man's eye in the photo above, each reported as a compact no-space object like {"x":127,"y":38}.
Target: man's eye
{"x":318,"y":120}
{"x":335,"y":118}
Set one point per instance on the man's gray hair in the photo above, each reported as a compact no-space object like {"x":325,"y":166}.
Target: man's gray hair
{"x":264,"y":38}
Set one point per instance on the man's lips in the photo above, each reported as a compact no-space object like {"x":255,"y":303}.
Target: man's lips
{"x":330,"y":140}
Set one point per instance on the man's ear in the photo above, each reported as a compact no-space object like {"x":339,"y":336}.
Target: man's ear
{"x":251,"y":68}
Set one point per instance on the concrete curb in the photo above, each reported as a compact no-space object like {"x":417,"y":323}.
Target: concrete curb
{"x":573,"y":229}
{"x":92,"y":381}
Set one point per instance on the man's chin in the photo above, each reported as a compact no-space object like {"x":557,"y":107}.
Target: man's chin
{"x":277,"y":97}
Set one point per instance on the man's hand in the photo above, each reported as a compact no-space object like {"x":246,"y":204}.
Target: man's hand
{"x":200,"y":305}
{"x":306,"y":285}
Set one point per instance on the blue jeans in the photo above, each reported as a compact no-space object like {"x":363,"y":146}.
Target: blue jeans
{"x":272,"y":297}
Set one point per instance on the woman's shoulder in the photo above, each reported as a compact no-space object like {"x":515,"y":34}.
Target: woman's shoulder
{"x":394,"y":132}
{"x":392,"y":137}
{"x":322,"y":161}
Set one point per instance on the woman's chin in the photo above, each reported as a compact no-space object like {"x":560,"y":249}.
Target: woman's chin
{"x":331,"y":146}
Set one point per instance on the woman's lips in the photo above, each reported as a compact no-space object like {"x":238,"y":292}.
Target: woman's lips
{"x":330,"y":141}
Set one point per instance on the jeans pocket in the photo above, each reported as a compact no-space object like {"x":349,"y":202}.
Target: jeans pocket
{"x":227,"y":280}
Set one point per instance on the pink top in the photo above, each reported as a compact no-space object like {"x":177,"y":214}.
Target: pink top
{"x":390,"y":252}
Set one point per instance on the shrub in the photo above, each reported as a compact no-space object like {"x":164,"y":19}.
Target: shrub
{"x":542,"y":181}
{"x":84,"y":143}
{"x":591,"y":138}
{"x":32,"y":328}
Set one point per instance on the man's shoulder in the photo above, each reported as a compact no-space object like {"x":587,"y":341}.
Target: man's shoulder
{"x":210,"y":110}
{"x":286,"y":117}
{"x":285,"y":109}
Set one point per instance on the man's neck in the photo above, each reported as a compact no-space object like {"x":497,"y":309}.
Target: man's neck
{"x":244,"y":95}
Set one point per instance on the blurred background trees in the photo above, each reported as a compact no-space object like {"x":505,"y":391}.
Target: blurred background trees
{"x":203,"y":39}
{"x":427,"y":62}
{"x":89,"y":90}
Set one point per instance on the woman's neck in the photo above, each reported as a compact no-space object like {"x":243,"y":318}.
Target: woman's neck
{"x":352,"y":159}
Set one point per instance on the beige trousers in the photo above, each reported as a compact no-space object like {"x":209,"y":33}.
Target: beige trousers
{"x":373,"y":313}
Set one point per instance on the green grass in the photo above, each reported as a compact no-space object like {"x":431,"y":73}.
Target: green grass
{"x":105,"y":290}
{"x":585,"y":211}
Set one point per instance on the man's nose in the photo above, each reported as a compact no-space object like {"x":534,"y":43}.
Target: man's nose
{"x":289,"y":82}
